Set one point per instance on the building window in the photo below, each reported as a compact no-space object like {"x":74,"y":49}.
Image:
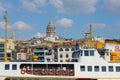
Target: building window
{"x":19,"y":56}
{"x":14,"y":67}
{"x":1,"y":50}
{"x":1,"y":45}
{"x":61,"y":60}
{"x":72,"y":49}
{"x":2,"y":55}
{"x":82,"y":68}
{"x":8,"y":54}
{"x":103,"y":68}
{"x":96,"y":68}
{"x":48,"y":60}
{"x":67,"y":49}
{"x":81,"y":54}
{"x":89,"y":68}
{"x":7,"y":66}
{"x":110,"y":68}
{"x":86,"y":53}
{"x":61,"y":56}
{"x":61,"y":49}
{"x":117,"y":68}
{"x":91,"y":53}
{"x":67,"y":55}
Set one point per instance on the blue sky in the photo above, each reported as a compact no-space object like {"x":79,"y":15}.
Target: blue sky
{"x":28,"y":18}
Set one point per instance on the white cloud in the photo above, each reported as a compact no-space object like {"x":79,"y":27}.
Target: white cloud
{"x":40,"y":2}
{"x":112,"y":6}
{"x":38,"y":35}
{"x":58,"y":4}
{"x":117,"y":26}
{"x":2,"y":9}
{"x":98,"y":25}
{"x":33,"y":5}
{"x":64,"y":22}
{"x":2,"y":25}
{"x":74,"y":6}
{"x":21,"y":26}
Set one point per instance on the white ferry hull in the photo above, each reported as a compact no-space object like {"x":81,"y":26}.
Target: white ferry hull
{"x":77,"y":72}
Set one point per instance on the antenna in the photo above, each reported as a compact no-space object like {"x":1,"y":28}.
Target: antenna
{"x":6,"y":37}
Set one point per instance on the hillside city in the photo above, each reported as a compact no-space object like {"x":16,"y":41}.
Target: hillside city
{"x":50,"y":48}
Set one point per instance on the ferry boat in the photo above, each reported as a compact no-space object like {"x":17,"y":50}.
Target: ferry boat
{"x":87,"y":63}
{"x":91,"y":64}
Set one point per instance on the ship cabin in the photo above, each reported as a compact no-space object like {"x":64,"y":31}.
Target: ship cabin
{"x":88,"y":55}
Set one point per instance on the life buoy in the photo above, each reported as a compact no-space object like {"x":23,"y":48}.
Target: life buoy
{"x":35,"y":71}
{"x":64,"y":72}
{"x":43,"y":72}
{"x":58,"y":72}
{"x":50,"y":72}
{"x":71,"y":73}
{"x":23,"y":71}
{"x":29,"y":71}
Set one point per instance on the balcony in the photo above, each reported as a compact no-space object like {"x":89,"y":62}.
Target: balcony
{"x":37,"y":50}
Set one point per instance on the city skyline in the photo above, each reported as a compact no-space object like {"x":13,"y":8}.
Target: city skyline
{"x":28,"y":18}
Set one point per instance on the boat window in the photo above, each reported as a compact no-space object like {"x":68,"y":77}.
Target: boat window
{"x":96,"y":68}
{"x":86,"y":53}
{"x":89,"y":68}
{"x":103,"y":68}
{"x":36,"y":79}
{"x":117,"y":68}
{"x":75,"y":54}
{"x":92,"y":53}
{"x":28,"y":66}
{"x":14,"y":67}
{"x":82,"y":68}
{"x":110,"y":68}
{"x":7,"y":66}
{"x":61,"y":49}
{"x":14,"y":79}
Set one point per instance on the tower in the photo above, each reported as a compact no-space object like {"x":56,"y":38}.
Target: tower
{"x":13,"y":36}
{"x":88,"y":38}
{"x":50,"y":30}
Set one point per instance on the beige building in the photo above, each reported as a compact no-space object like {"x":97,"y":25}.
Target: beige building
{"x":10,"y":48}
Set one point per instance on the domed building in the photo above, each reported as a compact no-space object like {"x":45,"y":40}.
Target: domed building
{"x":51,"y":32}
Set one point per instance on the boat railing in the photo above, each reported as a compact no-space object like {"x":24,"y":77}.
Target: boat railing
{"x":38,"y":71}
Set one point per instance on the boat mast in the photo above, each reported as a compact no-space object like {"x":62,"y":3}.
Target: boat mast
{"x":6,"y":37}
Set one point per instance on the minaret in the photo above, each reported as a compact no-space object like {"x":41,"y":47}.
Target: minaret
{"x":6,"y":37}
{"x":50,"y":30}
{"x":13,"y":36}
